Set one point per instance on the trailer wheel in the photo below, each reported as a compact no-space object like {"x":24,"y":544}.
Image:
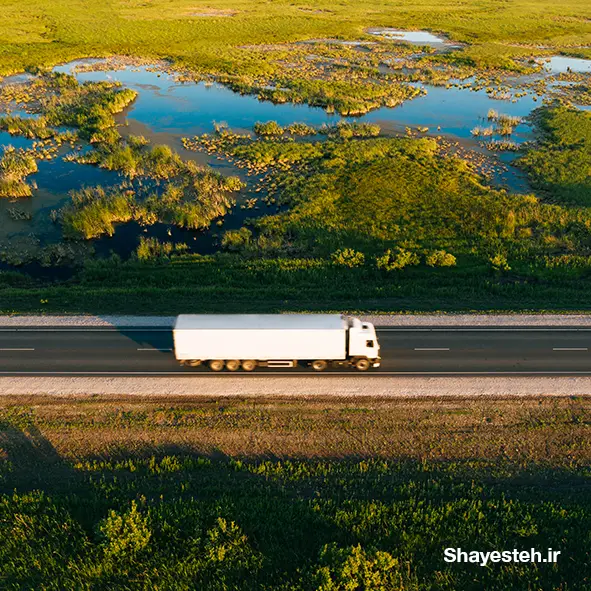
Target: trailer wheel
{"x":249,"y":365}
{"x":232,"y":365}
{"x":193,"y":362}
{"x":319,"y":365}
{"x":362,"y":364}
{"x":216,"y":365}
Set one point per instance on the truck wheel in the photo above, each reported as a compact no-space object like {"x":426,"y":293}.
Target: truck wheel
{"x":319,"y":365}
{"x":232,"y":365}
{"x":249,"y":365}
{"x":193,"y":362}
{"x":362,"y":364}
{"x":216,"y":365}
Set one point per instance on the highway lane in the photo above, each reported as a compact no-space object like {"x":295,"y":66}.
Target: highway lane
{"x":405,"y":351}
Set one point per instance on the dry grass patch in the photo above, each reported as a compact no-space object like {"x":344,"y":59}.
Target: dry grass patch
{"x":213,"y":12}
{"x":555,"y":431}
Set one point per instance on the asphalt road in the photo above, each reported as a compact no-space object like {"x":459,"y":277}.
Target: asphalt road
{"x":405,"y":351}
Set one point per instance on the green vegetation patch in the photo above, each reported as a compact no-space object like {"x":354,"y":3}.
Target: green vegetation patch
{"x":560,"y":164}
{"x":182,"y":194}
{"x":15,"y":166}
{"x":381,"y":194}
{"x":207,"y":38}
{"x":122,"y":494}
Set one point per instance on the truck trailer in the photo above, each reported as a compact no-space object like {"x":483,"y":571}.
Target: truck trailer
{"x":248,"y":341}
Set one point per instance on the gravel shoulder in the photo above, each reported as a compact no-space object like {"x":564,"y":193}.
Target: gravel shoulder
{"x":301,"y":387}
{"x":402,"y":320}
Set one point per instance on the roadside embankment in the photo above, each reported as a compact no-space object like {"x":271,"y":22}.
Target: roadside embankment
{"x":300,"y":386}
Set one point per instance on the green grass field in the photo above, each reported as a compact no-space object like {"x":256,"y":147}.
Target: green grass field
{"x":210,"y":36}
{"x":290,"y":495}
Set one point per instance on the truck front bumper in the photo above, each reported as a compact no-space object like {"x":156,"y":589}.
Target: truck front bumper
{"x":377,"y":362}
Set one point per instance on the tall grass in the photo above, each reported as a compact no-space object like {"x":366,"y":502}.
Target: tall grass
{"x":560,"y":164}
{"x":93,"y":211}
{"x":15,"y":166}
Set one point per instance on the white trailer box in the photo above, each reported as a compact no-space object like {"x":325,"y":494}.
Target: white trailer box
{"x":260,"y":336}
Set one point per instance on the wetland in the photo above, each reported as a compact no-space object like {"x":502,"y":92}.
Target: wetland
{"x":134,"y":162}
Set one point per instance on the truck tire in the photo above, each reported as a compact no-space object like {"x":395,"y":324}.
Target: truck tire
{"x":193,"y":362}
{"x":319,"y":365}
{"x":216,"y":365}
{"x":232,"y":365}
{"x":249,"y":365}
{"x":362,"y":364}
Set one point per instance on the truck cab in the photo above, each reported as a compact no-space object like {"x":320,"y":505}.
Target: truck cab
{"x":363,"y":342}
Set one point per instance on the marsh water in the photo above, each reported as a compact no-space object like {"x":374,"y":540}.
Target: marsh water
{"x":167,"y":110}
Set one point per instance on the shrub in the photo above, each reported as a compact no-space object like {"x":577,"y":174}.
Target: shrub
{"x":301,"y":129}
{"x":347,"y":257}
{"x":349,"y":569}
{"x":440,"y":258}
{"x":346,"y":130}
{"x":269,"y":128}
{"x":30,"y":128}
{"x":125,"y":535}
{"x":499,"y":262}
{"x":480,"y":131}
{"x":397,"y":259}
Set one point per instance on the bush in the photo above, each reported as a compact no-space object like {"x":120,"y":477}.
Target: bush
{"x":15,"y":165}
{"x":347,"y":257}
{"x":125,"y":535}
{"x":301,"y":129}
{"x":397,"y":259}
{"x":440,"y":258}
{"x":269,"y":128}
{"x":346,"y":130}
{"x":499,"y":262}
{"x":350,"y":569}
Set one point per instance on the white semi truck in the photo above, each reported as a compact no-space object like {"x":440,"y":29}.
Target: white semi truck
{"x":248,"y":341}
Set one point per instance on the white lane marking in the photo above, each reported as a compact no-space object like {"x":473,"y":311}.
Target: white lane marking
{"x":431,"y":348}
{"x":18,"y":349}
{"x":152,"y":349}
{"x":570,"y":349}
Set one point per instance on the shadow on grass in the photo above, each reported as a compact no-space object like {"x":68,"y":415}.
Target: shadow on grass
{"x":32,"y":462}
{"x":289,"y":509}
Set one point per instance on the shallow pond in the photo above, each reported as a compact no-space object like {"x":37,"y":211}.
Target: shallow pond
{"x":184,"y":109}
{"x":413,"y":37}
{"x":167,"y":110}
{"x":561,"y":65}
